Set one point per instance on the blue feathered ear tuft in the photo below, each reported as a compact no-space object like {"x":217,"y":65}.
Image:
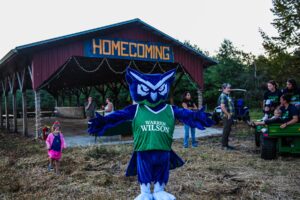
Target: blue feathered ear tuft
{"x":128,"y":75}
{"x":173,"y":72}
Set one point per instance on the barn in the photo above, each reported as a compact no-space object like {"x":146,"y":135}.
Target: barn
{"x":93,"y":58}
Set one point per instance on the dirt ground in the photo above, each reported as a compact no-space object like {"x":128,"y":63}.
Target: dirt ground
{"x":98,"y":172}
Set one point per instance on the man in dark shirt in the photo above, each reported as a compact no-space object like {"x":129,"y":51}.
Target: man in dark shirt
{"x":289,"y":111}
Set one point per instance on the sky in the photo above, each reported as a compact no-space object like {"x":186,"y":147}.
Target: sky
{"x":205,"y":23}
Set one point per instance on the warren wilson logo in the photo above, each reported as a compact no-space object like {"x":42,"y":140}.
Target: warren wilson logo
{"x":156,"y":126}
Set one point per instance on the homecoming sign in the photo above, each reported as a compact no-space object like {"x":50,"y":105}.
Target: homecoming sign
{"x":121,"y":49}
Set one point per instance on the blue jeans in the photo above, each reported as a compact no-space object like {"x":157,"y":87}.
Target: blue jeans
{"x":186,"y":136}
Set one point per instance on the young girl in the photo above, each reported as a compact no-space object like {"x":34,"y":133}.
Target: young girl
{"x":55,"y":143}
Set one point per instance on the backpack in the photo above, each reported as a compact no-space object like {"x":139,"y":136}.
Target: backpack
{"x":56,"y":144}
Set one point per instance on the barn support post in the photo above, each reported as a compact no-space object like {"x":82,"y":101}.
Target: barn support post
{"x":13,"y":92}
{"x":70,"y":99}
{"x":1,"y":113}
{"x":12,"y":89}
{"x":21,"y":81}
{"x":15,"y":112}
{"x":102,"y":90}
{"x":200,"y":98}
{"x":62,"y":99}
{"x":37,"y":101}
{"x":24,"y":111}
{"x":115,"y":88}
{"x":5,"y":92}
{"x":86,"y":92}
{"x":7,"y":126}
{"x":56,"y":101}
{"x":77,"y":94}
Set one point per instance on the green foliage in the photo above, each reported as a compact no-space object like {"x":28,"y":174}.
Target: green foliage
{"x":283,"y":59}
{"x":287,"y":23}
{"x":235,"y":67}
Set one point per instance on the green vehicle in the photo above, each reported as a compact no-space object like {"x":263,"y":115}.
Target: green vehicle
{"x":273,"y":140}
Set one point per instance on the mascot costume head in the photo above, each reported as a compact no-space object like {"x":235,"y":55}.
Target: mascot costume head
{"x":149,"y":89}
{"x":153,"y":123}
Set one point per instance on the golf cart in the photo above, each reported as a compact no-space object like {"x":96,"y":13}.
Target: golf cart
{"x":241,"y":111}
{"x":273,"y":140}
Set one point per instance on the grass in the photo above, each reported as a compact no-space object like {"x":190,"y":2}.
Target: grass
{"x":256,"y":114}
{"x":98,"y":172}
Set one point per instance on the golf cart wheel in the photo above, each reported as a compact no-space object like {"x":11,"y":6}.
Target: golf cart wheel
{"x":268,"y":149}
{"x":257,"y":138}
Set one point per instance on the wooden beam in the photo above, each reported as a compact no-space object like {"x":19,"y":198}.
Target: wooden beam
{"x":21,"y":79}
{"x":86,"y":91}
{"x":12,"y":89}
{"x":1,"y":113}
{"x":200,"y":98}
{"x":179,"y":79}
{"x":77,"y":93}
{"x":30,"y":72}
{"x":4,"y":85}
{"x":6,"y":112}
{"x":11,"y":83}
{"x":14,"y":104}
{"x":24,"y":109}
{"x":102,"y":90}
{"x":37,"y":100}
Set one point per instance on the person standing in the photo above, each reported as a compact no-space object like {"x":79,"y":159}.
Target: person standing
{"x":187,"y":103}
{"x":293,"y":91}
{"x":271,"y":99}
{"x":227,"y":107}
{"x":55,"y":144}
{"x":90,"y":108}
{"x":109,"y":108}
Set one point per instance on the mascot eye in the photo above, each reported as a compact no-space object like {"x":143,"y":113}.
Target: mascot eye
{"x":144,"y":88}
{"x":162,"y":88}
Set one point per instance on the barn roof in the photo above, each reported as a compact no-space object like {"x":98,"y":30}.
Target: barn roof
{"x":29,"y":48}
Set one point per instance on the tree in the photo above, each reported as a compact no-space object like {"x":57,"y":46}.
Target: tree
{"x":283,"y":59}
{"x":287,"y":23}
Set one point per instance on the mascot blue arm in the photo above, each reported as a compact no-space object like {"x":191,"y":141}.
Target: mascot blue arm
{"x":195,"y":119}
{"x":100,"y":124}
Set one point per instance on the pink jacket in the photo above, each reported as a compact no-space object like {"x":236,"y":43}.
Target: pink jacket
{"x":50,"y":139}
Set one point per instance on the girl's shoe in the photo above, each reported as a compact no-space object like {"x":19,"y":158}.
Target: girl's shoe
{"x":50,"y":168}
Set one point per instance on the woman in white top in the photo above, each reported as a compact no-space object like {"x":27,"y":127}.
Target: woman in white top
{"x":109,"y":108}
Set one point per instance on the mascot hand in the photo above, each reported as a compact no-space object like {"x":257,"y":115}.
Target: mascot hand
{"x":96,"y":125}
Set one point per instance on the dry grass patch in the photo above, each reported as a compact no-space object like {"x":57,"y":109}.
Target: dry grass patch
{"x":98,"y":172}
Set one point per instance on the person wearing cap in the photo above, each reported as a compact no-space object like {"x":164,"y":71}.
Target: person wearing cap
{"x":55,"y":144}
{"x":227,"y":107}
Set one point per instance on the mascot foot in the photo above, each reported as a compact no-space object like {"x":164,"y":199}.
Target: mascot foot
{"x":144,"y":196}
{"x":162,"y":195}
{"x":145,"y":192}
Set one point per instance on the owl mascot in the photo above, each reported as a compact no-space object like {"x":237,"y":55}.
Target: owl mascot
{"x":153,"y":123}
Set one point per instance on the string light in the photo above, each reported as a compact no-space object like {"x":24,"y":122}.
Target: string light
{"x":105,"y":60}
